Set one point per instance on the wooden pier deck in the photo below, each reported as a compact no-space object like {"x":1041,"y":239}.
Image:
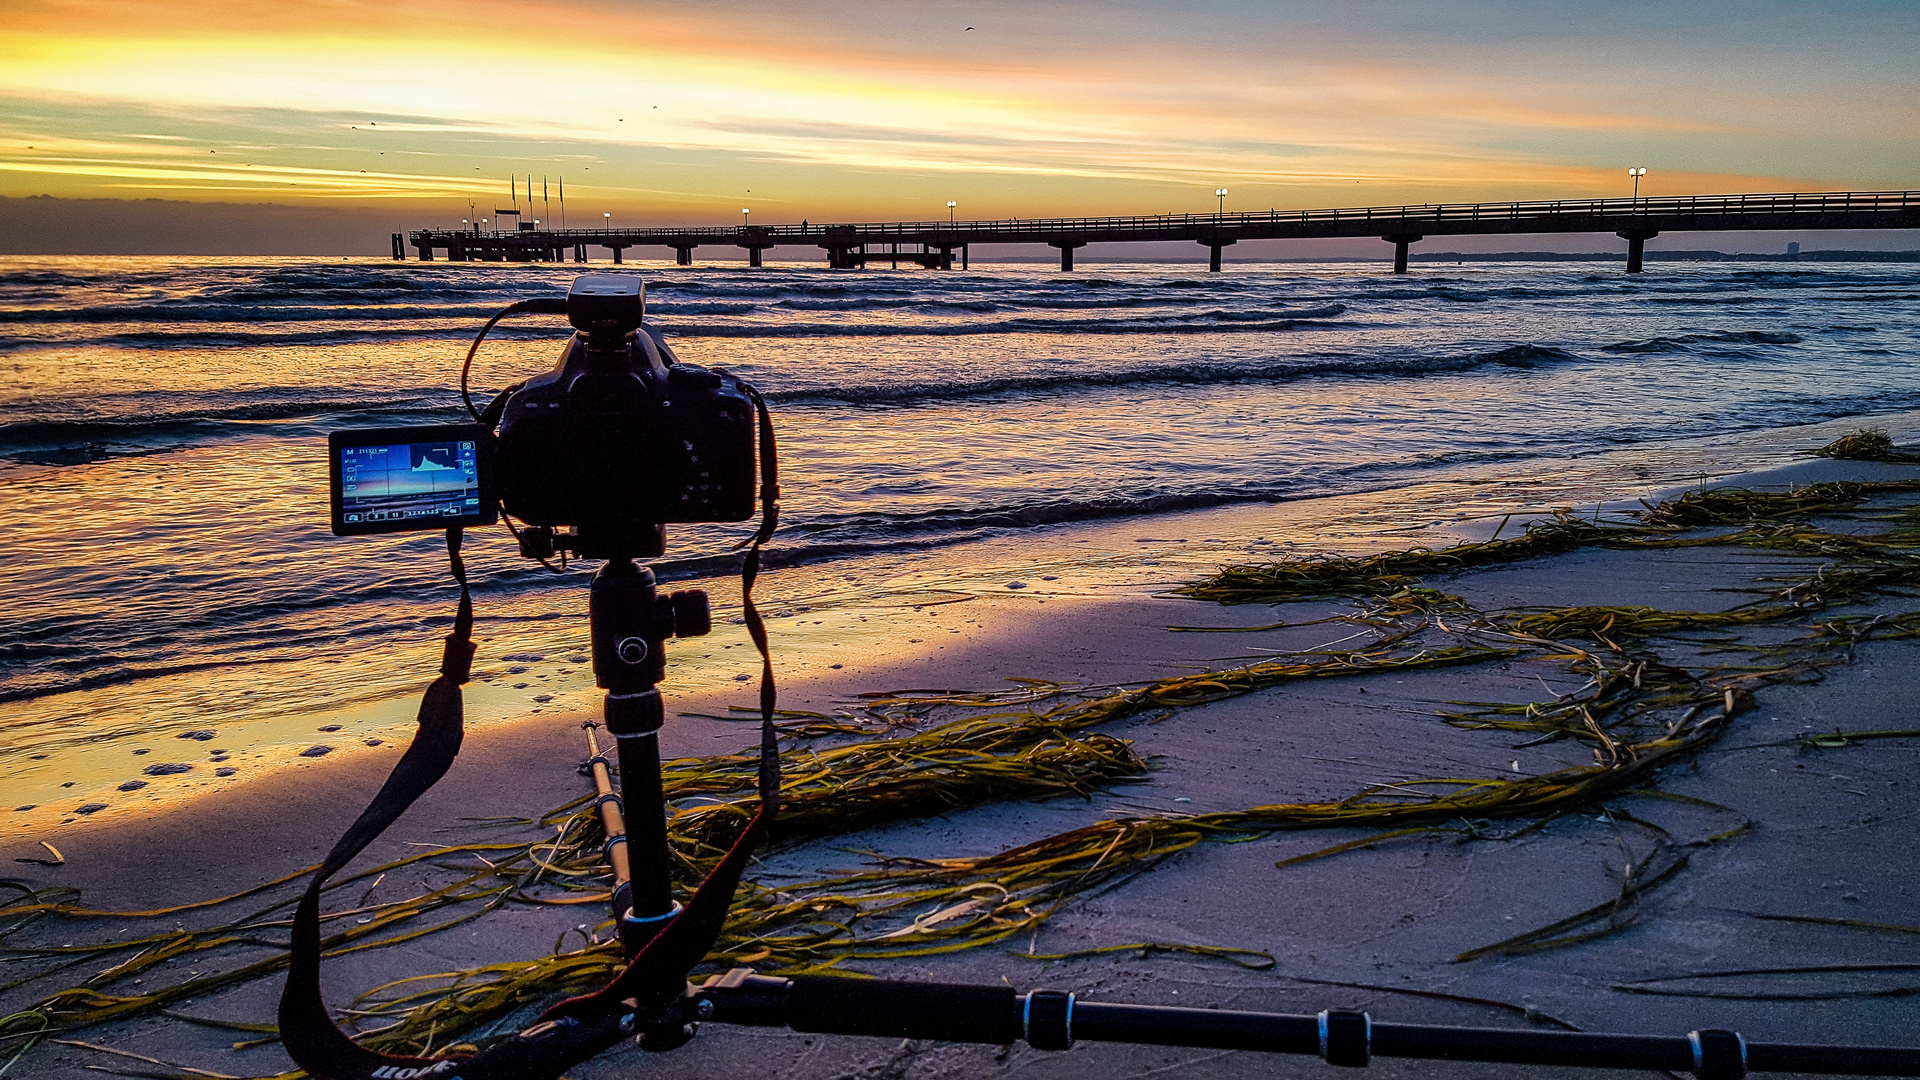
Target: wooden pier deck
{"x":935,"y":244}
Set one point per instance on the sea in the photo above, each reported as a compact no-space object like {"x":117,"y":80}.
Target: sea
{"x":179,"y":615}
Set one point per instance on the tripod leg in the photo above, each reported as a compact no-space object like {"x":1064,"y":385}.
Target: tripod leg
{"x":612,"y":821}
{"x":635,"y":721}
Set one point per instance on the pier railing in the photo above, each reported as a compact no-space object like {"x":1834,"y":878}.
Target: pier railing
{"x":1768,"y":204}
{"x":1636,"y":219}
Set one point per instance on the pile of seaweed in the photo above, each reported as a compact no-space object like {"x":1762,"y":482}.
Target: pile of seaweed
{"x":1867,"y":444}
{"x":1647,"y":699}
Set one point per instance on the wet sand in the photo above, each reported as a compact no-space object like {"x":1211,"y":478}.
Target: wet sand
{"x":1388,"y":918}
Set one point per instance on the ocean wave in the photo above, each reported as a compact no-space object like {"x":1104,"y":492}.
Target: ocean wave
{"x":298,"y":334}
{"x":1679,"y":342}
{"x":49,"y":441}
{"x":897,"y":303}
{"x":1432,"y":292}
{"x":327,"y":285}
{"x":198,"y":311}
{"x":1003,"y":300}
{"x":1218,"y":321}
{"x":144,"y":319}
{"x":1694,"y":301}
{"x":1516,"y":356}
{"x":856,"y":533}
{"x":43,"y":686}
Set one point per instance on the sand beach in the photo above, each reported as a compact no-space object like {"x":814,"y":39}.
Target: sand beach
{"x":1279,"y":513}
{"x":1768,"y":845}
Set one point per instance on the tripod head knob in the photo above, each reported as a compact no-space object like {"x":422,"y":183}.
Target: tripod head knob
{"x":692,"y":617}
{"x":632,"y":650}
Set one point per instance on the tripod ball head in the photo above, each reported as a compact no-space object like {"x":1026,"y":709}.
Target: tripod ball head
{"x":631,"y":617}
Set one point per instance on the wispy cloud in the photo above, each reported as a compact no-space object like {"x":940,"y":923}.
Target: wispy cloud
{"x":245,"y":177}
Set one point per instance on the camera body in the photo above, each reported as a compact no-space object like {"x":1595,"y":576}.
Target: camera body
{"x":619,"y":435}
{"x":618,"y":440}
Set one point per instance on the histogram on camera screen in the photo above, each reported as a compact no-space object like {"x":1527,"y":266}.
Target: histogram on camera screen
{"x":432,"y":479}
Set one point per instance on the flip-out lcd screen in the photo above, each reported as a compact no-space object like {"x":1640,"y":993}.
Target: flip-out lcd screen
{"x":393,"y":479}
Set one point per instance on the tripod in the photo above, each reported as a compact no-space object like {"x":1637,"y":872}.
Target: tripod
{"x":631,"y":621}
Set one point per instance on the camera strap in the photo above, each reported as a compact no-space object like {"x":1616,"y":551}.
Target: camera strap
{"x":308,"y":1032}
{"x":647,"y":995}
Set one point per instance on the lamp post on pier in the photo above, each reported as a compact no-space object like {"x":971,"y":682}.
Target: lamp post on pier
{"x":1636,"y":238}
{"x":1221,"y":194}
{"x":950,"y":205}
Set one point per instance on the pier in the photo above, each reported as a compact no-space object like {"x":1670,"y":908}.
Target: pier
{"x":937,"y":245}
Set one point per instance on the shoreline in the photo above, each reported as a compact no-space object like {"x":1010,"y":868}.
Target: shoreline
{"x":837,"y":612}
{"x":1388,"y":915}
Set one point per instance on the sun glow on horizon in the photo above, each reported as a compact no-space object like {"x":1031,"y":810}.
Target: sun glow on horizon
{"x":670,"y":113}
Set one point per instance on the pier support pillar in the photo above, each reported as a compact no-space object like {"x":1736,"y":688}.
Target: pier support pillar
{"x":755,"y":239}
{"x":963,"y":256}
{"x":946,"y":258}
{"x":1636,"y":246}
{"x":1066,"y":251}
{"x":848,"y":256}
{"x":580,"y":253}
{"x":683,"y":254}
{"x":399,"y":247}
{"x":845,"y":250}
{"x":617,"y":249}
{"x":1214,"y":247}
{"x":1400,"y":242}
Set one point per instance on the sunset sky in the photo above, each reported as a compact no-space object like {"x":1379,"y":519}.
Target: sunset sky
{"x":684,"y":113}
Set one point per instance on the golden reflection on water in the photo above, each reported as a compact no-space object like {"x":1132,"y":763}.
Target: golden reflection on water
{"x":532,"y":660}
{"x":161,"y":455}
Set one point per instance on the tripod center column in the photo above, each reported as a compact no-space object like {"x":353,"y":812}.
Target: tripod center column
{"x":630,"y":621}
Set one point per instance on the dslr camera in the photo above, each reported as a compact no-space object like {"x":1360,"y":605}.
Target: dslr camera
{"x":617,"y":441}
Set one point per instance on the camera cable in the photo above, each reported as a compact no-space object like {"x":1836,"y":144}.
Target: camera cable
{"x":541,"y":306}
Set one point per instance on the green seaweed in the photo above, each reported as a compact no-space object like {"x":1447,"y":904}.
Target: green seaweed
{"x":1637,"y":713}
